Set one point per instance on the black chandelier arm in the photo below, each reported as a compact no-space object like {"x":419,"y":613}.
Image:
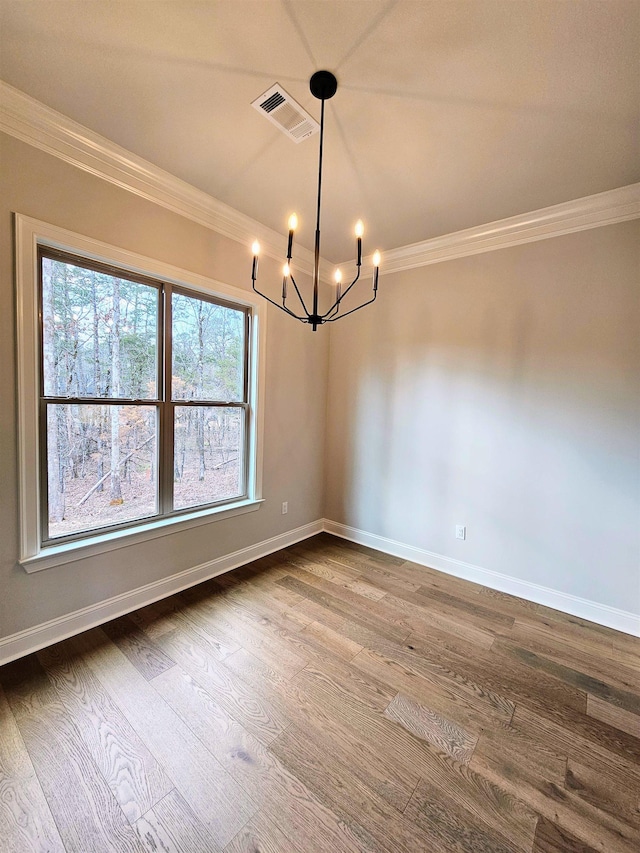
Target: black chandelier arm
{"x":304,"y":307}
{"x":353,"y":310}
{"x":335,"y":308}
{"x":342,"y":296}
{"x":281,"y":307}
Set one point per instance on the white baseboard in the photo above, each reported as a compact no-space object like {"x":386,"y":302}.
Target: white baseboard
{"x":38,"y":637}
{"x":30,"y":640}
{"x":602,"y":614}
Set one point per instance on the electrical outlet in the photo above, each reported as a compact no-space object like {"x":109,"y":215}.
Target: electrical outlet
{"x":285,"y":507}
{"x":461,"y":531}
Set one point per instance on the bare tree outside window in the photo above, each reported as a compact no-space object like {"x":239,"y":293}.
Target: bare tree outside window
{"x":208,"y":365}
{"x":105,"y":340}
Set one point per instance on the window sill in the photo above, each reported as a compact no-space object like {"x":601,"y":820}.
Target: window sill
{"x":69,"y":552}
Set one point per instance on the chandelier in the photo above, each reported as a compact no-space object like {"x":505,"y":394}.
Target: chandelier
{"x":323,"y":85}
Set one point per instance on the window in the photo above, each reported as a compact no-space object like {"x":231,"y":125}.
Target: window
{"x":144,"y":397}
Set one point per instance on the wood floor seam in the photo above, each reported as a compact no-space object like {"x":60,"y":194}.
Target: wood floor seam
{"x":415,"y":788}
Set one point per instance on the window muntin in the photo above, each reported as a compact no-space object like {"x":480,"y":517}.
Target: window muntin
{"x":116,"y":448}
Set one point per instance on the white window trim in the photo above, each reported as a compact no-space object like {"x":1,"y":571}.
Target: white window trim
{"x":31,"y":233}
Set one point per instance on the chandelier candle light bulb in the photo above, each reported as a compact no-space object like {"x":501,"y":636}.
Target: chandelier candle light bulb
{"x":255,"y":249}
{"x":323,"y":86}
{"x":293,"y":224}
{"x":338,"y":277}
{"x":359,"y":233}
{"x":376,"y":269}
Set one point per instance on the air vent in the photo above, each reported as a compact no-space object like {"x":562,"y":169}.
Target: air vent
{"x":281,"y":109}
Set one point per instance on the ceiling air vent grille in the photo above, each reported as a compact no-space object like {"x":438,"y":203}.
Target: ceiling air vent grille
{"x":281,"y":109}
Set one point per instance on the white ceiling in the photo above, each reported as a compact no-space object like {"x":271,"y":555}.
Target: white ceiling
{"x":448,"y":114}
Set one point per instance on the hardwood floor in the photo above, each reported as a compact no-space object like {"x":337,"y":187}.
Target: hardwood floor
{"x":326,"y":698}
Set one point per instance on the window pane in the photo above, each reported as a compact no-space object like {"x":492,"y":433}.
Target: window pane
{"x":208,"y":350}
{"x":208,"y":454}
{"x":99,"y":334}
{"x":101,"y":465}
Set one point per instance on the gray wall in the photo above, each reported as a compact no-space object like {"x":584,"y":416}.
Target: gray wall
{"x":500,"y":391}
{"x":41,"y":186}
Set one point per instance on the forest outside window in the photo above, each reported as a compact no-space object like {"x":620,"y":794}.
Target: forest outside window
{"x":140,"y":397}
{"x":144,"y":398}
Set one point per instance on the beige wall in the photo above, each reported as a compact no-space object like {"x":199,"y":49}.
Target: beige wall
{"x":38,"y":185}
{"x":500,"y":391}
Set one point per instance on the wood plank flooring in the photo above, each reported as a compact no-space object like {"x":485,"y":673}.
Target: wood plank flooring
{"x":326,"y":699}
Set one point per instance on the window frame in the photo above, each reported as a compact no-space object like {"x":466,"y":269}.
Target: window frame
{"x":33,"y":237}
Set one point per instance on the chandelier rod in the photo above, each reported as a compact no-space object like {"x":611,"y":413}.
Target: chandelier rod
{"x":316,"y":262}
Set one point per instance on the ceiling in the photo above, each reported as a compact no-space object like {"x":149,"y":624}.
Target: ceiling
{"x":448,"y":114}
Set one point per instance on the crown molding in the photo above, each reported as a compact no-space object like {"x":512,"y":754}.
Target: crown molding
{"x":36,"y":124}
{"x":592,"y":211}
